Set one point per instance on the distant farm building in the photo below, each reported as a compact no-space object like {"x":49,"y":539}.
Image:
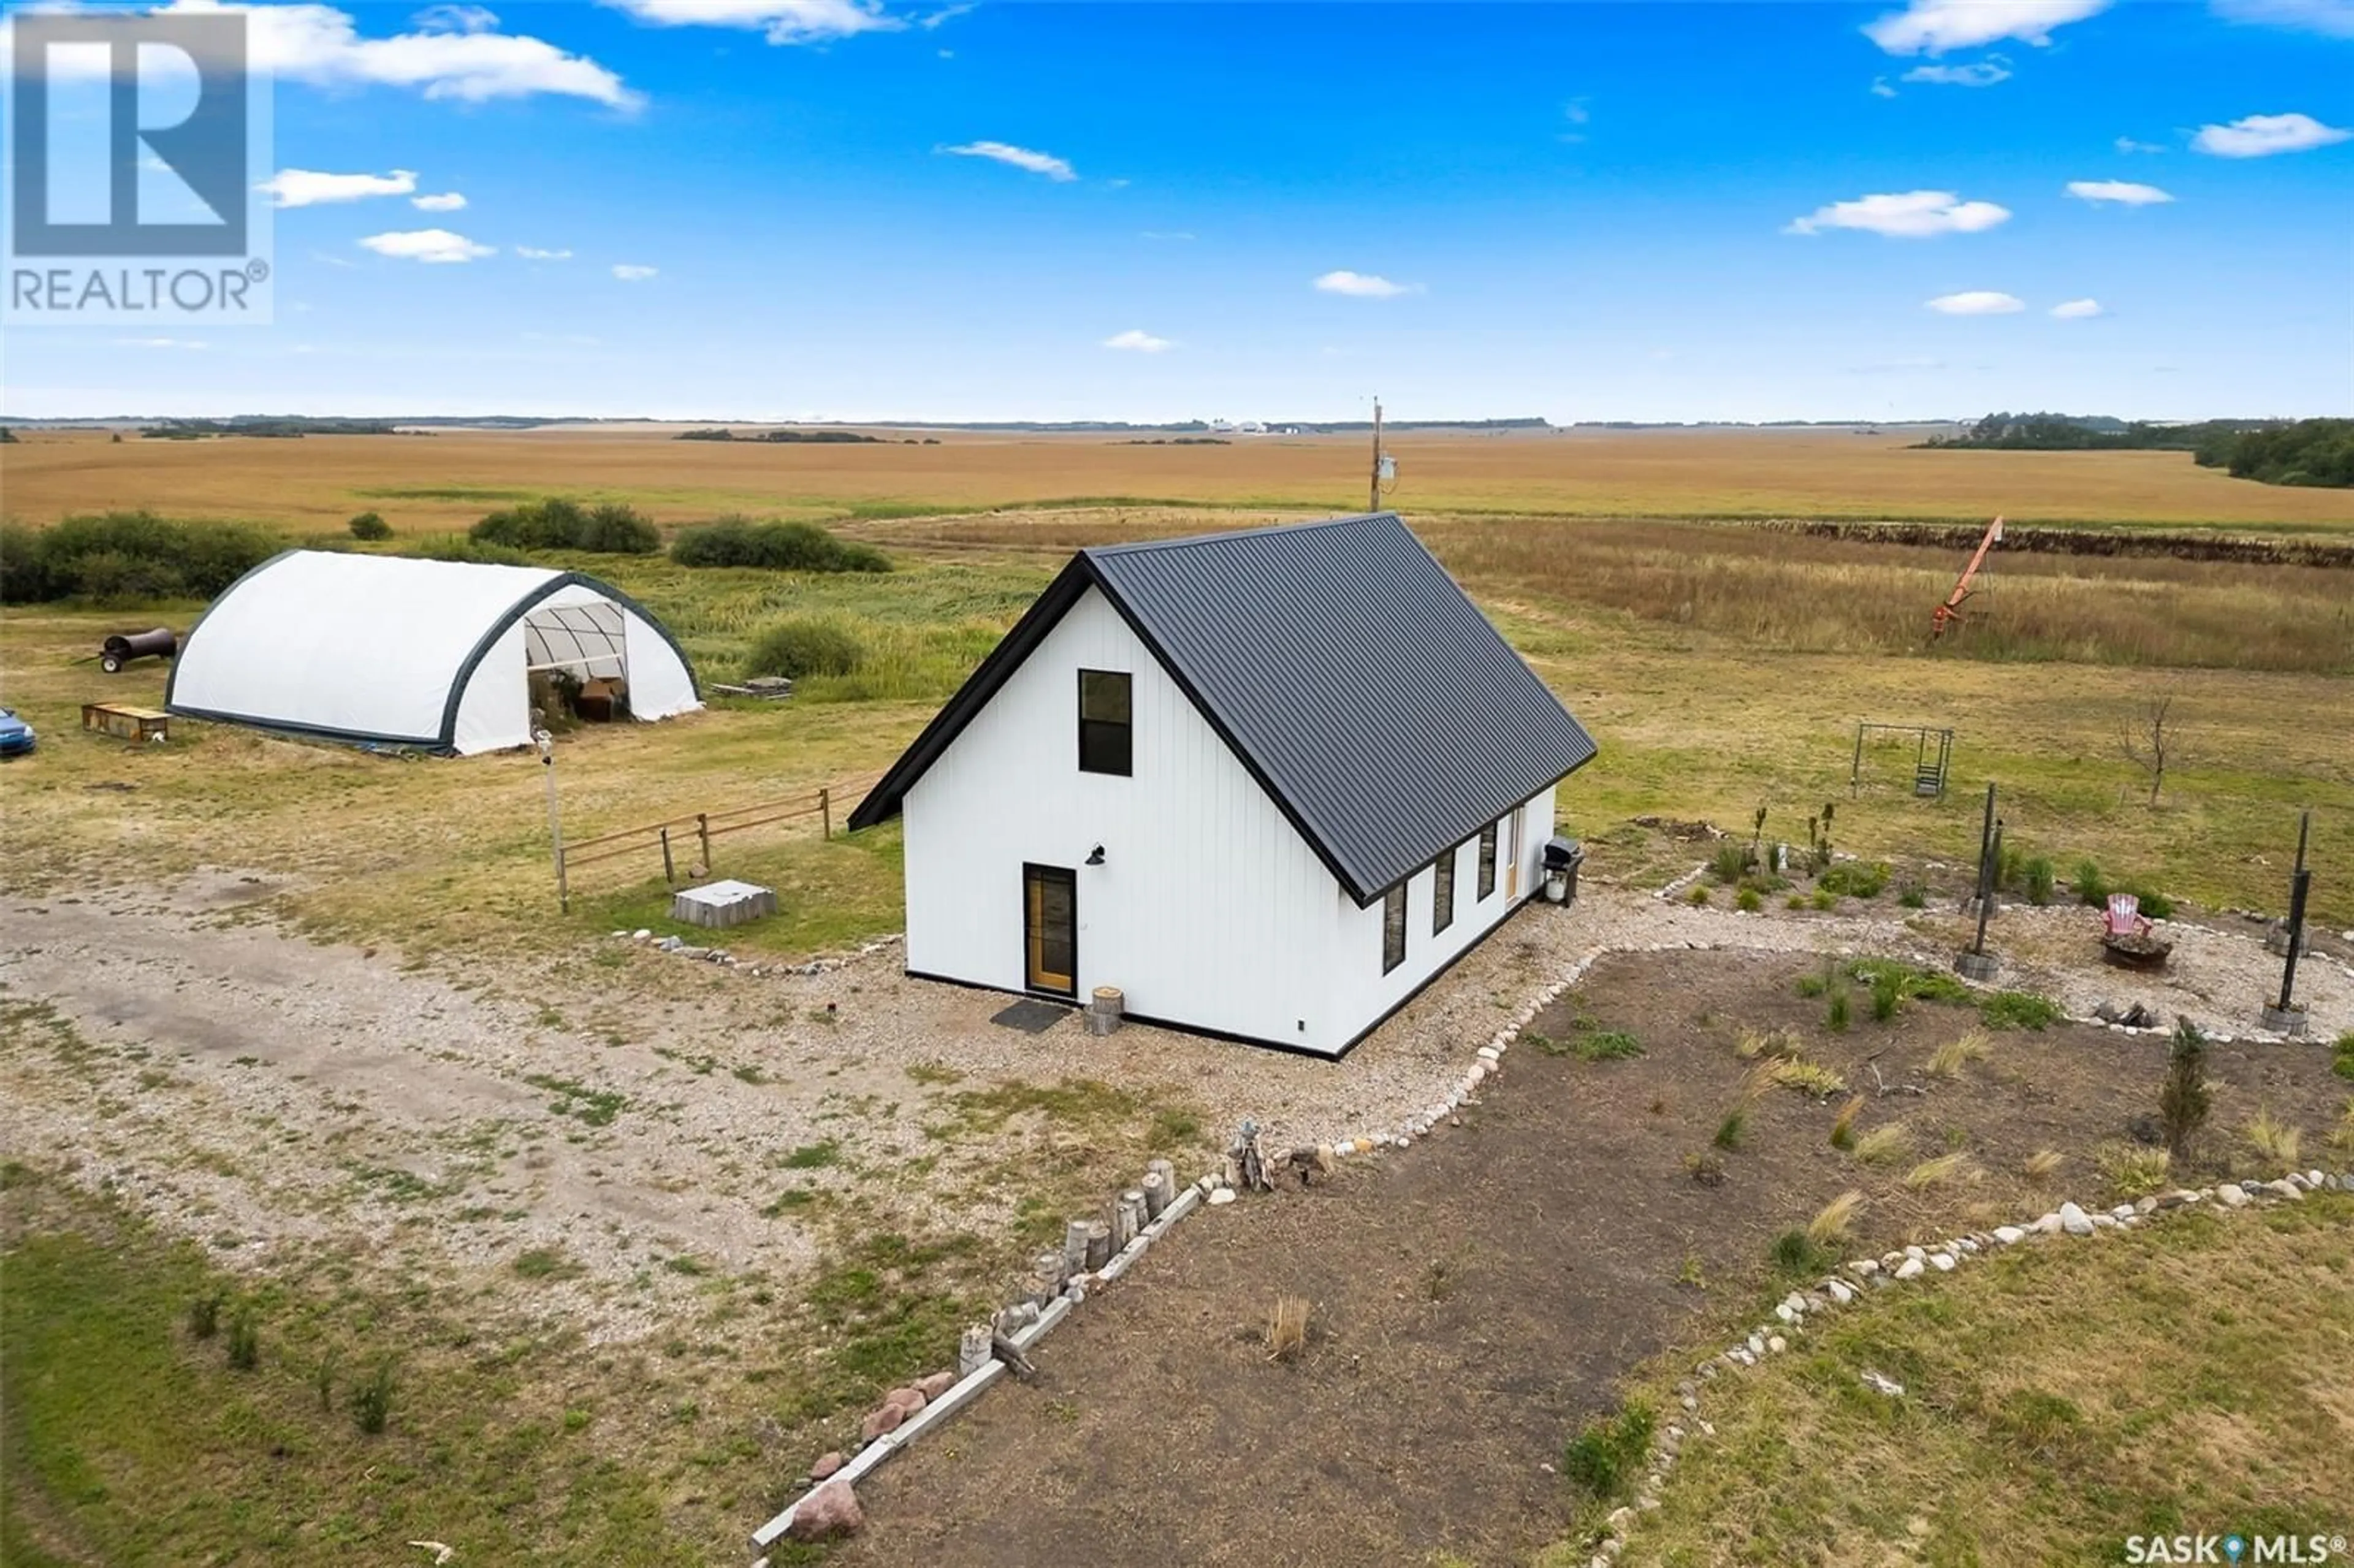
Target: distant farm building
{"x":1266,"y":783}
{"x":439,"y":656}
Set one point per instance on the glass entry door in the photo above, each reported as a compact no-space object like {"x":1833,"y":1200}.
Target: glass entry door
{"x":1050,"y":929}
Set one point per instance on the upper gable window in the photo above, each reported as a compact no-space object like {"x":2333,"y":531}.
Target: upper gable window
{"x":1105,"y":736}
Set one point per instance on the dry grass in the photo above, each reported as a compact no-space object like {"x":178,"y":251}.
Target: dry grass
{"x":1287,"y":1327}
{"x":1844,"y":1125}
{"x":1958,"y":1166}
{"x":1885,"y":1143}
{"x":1810,"y":1078}
{"x":1834,"y":1218}
{"x":1772,"y":1044}
{"x":2275,"y":1142}
{"x":450,"y":477}
{"x":1947,"y":1060}
{"x":2042,"y":1165}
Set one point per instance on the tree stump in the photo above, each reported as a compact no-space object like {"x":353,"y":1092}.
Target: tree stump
{"x":1098,"y":1244}
{"x":1156,"y":1194}
{"x":1127,"y":1218}
{"x":972,"y":1350}
{"x":1074,"y":1246}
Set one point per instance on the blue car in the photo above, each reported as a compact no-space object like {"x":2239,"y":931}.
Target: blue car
{"x":16,"y":735}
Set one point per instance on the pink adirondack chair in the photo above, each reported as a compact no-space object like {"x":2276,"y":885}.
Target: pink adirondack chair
{"x":2125,"y":918}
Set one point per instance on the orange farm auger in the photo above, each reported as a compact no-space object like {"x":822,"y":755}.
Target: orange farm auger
{"x":1950,"y":611}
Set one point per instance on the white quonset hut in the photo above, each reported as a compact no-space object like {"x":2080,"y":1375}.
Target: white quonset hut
{"x":1267,"y":783}
{"x":380,"y":650}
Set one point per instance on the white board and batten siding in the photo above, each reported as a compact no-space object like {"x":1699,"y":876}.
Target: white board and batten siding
{"x":1210,"y":911}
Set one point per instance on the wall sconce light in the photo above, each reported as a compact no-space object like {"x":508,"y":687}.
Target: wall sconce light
{"x":1095,"y":855}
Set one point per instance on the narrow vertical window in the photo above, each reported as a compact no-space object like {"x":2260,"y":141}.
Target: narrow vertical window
{"x":1488,"y":860}
{"x":1106,"y":742}
{"x":1393,"y":927}
{"x":1442,"y":892}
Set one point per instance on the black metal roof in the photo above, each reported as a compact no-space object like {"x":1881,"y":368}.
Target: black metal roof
{"x":1348,"y":672}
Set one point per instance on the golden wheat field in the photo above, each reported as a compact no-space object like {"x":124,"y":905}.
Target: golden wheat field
{"x":445,"y":479}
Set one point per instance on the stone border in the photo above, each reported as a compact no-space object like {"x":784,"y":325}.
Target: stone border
{"x":1865,"y":1274}
{"x":916,"y":1409}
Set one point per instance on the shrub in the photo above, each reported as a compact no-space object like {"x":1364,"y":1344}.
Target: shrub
{"x":2274,"y":1140}
{"x":1748,"y":901}
{"x":2087,"y":882}
{"x":323,"y":1380}
{"x":1831,"y":1223}
{"x":1887,"y":1141}
{"x":204,"y":1317}
{"x":1796,"y":1253}
{"x":369,"y":526}
{"x":803,"y":646}
{"x":556,"y":523}
{"x":1608,"y":1453}
{"x":1730,"y":863}
{"x":1854,"y":879}
{"x":2038,"y":877}
{"x":372,"y":1400}
{"x":1604,"y":1046}
{"x":1887,"y":991}
{"x":1914,"y":898}
{"x":1774,"y":1044}
{"x":1698,"y":895}
{"x":1810,"y":1078}
{"x":1949,"y":1059}
{"x":1836,"y":1015}
{"x":2183,"y":1100}
{"x":775,"y":547}
{"x":2133,"y":1173}
{"x":461,"y":548}
{"x":1843,"y":1126}
{"x":125,"y":556}
{"x":1287,"y":1327}
{"x":2154,"y":904}
{"x":1729,"y":1130}
{"x":1825,"y":898}
{"x":2341,"y":1061}
{"x":1812,"y":986}
{"x":1943,"y":1168}
{"x":2019,"y":1010}
{"x":1705,"y":1169}
{"x":244,"y":1343}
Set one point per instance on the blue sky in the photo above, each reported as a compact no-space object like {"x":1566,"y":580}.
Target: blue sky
{"x":1580,"y":211}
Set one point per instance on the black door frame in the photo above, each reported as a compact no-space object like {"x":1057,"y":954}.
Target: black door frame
{"x":1070,"y":877}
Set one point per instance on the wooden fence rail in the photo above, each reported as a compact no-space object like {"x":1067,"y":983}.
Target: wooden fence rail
{"x":702,"y":827}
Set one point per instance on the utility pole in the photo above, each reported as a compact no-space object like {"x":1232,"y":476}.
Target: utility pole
{"x":1374,"y":502}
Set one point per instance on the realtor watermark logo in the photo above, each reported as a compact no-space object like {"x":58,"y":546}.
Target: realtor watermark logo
{"x":2235,"y":1550}
{"x":136,"y":147}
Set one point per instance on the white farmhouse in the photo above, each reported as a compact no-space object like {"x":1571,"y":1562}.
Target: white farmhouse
{"x":1267,"y":783}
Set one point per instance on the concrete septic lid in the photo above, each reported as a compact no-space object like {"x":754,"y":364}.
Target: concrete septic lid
{"x":726,"y":892}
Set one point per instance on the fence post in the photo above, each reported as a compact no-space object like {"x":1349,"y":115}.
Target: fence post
{"x":670,"y":877}
{"x":702,"y":830}
{"x":824,"y":813}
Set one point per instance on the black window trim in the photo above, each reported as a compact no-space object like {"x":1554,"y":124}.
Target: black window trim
{"x":1127,"y":730}
{"x":1394,"y":924}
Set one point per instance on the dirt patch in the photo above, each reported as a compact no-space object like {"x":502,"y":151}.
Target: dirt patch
{"x":1474,"y":1297}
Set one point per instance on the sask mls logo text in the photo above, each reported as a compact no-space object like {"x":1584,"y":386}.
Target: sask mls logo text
{"x":135,"y":141}
{"x":2235,"y":1551}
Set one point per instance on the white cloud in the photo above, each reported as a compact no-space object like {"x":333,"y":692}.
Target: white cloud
{"x":2262,"y":135}
{"x":784,"y":21}
{"x":530,"y":253}
{"x":455,"y":19}
{"x":309,"y":187}
{"x":1933,"y":27}
{"x":1976,"y":303}
{"x":1362,"y":285}
{"x":1166,"y":234}
{"x":1909,"y":215}
{"x":449,"y":201}
{"x":2125,"y":193}
{"x":1138,"y":341}
{"x":159,"y":343}
{"x":631,"y":275}
{"x":428,"y":245}
{"x":321,"y":46}
{"x":1977,"y":73}
{"x":1038,"y":162}
{"x":2078,"y":310}
{"x":945,"y":14}
{"x":2128,"y":145}
{"x":2333,"y":18}
{"x":1880,"y":87}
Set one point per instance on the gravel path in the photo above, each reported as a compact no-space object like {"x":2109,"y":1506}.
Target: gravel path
{"x":264,"y":1093}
